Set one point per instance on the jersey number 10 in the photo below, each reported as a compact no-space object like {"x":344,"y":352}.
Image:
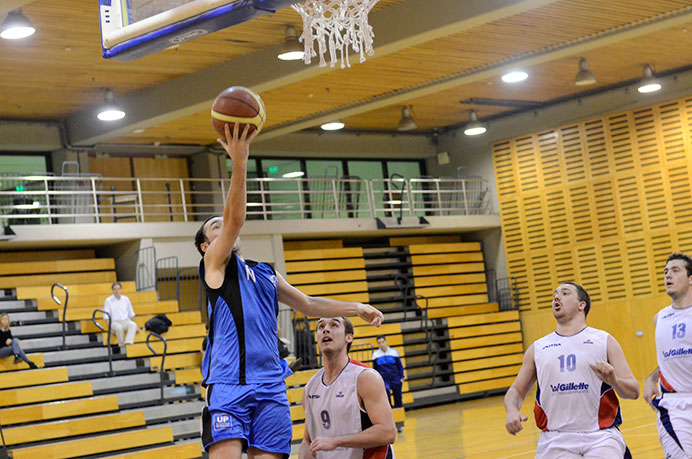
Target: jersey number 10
{"x":570,"y":362}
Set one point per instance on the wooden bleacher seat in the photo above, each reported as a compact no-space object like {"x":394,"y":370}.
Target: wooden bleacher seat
{"x":96,"y":444}
{"x":44,"y":255}
{"x":96,"y":300}
{"x":181,"y":451}
{"x":42,"y":290}
{"x":72,"y":427}
{"x":177,"y":318}
{"x":57,"y":410}
{"x":158,"y":307}
{"x":184,"y":360}
{"x":26,"y":395}
{"x":32,"y":378}
{"x":173,"y":333}
{"x":178,"y":346}
{"x":56,"y":266}
{"x":9,"y":282}
{"x":7,"y":363}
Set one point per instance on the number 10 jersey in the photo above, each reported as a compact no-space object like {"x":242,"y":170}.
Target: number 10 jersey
{"x":569,"y":395}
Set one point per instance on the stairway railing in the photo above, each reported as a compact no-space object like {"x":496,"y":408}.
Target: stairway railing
{"x":64,"y":309}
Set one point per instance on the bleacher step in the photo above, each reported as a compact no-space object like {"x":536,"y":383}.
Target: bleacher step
{"x":114,"y":384}
{"x":148,"y":397}
{"x":172,"y":412}
{"x":43,"y":330}
{"x":68,"y":357}
{"x":97,"y":369}
{"x":16,"y":306}
{"x":183,"y":430}
{"x":48,"y":344}
{"x":18,"y":319}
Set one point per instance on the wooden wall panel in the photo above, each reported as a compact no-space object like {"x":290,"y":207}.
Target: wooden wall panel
{"x":602,"y":202}
{"x":175,"y":168}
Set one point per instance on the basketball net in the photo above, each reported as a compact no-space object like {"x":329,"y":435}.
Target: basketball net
{"x":336,"y":25}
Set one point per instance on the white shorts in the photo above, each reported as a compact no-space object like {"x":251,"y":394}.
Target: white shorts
{"x":604,"y":443}
{"x":675,"y":425}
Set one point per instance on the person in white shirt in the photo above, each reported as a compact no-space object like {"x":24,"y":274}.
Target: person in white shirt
{"x":578,"y":371}
{"x":347,"y":413}
{"x":121,"y":314}
{"x":668,"y":390}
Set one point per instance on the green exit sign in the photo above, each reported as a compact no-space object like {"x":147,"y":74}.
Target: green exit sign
{"x":273,"y":169}
{"x":19,"y":188}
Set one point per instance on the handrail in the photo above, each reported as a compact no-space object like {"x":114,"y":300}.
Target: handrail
{"x":110,"y":351}
{"x":64,"y":309}
{"x":162,"y":370}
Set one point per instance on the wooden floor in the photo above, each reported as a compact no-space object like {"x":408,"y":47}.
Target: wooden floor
{"x":475,"y":429}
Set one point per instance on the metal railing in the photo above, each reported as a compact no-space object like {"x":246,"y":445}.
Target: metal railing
{"x":162,"y":368}
{"x":46,"y":199}
{"x":507,"y":293}
{"x":108,"y":334}
{"x":64,"y":309}
{"x":361,"y":352}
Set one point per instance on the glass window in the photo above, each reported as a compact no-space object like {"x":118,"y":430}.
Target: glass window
{"x":283,"y":191}
{"x":409,"y":169}
{"x":22,"y":165}
{"x":367,"y":170}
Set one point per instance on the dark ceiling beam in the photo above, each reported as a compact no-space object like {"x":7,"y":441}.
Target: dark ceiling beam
{"x":262,"y":71}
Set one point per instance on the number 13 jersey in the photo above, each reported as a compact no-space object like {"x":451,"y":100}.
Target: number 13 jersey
{"x":569,"y":395}
{"x":334,"y":410}
{"x":674,"y":349}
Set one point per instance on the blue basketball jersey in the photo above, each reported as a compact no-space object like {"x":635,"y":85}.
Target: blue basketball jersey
{"x":242,"y":315}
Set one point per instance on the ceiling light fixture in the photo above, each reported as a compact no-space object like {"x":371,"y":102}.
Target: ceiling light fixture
{"x":515,"y":76}
{"x":474,"y":127}
{"x":406,"y":123}
{"x":16,"y":26}
{"x":585,"y":76}
{"x":291,"y":50}
{"x":333,"y":126}
{"x":649,"y":83}
{"x":110,"y":111}
{"x":294,"y":174}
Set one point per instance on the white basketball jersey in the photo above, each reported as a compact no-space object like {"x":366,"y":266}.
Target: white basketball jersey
{"x":335,"y":410}
{"x":674,"y":349}
{"x":570,"y":397}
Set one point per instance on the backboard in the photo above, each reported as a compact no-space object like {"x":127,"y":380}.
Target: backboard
{"x":131,"y":29}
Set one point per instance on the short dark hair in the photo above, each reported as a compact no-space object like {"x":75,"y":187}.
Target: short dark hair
{"x":683,"y":257}
{"x":381,"y":337}
{"x":200,"y":236}
{"x":116,"y":283}
{"x":348,"y":327}
{"x":582,"y":295}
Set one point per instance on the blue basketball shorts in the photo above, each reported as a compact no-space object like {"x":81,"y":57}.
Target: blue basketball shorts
{"x":257,"y":414}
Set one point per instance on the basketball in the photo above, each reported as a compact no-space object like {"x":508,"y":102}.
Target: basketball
{"x":237,"y":104}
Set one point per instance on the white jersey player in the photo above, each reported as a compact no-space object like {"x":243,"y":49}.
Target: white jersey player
{"x":578,"y":370}
{"x":347,"y":411}
{"x":673,"y":325}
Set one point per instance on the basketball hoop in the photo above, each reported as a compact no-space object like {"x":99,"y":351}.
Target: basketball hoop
{"x":336,"y":25}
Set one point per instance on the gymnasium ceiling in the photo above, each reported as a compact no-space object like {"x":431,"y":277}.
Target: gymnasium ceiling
{"x":433,"y":55}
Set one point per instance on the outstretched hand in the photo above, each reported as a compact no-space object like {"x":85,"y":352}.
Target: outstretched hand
{"x":237,"y":144}
{"x":369,"y":314}
{"x":605,"y":372}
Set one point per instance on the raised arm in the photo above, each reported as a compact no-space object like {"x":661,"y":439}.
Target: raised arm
{"x":314,"y":306}
{"x":382,"y":432}
{"x":237,"y":146}
{"x":516,"y":393}
{"x":616,"y":372}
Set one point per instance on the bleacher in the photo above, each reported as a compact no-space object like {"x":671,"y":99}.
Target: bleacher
{"x":72,"y":406}
{"x":454,"y":343}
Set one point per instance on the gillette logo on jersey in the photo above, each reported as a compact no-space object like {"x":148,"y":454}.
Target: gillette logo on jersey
{"x":570,"y":387}
{"x":680,"y":352}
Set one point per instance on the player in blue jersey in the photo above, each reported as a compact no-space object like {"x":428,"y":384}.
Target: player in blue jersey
{"x":247,"y":407}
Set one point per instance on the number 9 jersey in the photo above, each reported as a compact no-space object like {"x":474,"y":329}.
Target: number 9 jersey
{"x":334,"y":410}
{"x":569,"y":395}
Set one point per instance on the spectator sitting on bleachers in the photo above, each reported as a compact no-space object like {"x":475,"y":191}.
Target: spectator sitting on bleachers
{"x":10,"y":345}
{"x":121,"y":314}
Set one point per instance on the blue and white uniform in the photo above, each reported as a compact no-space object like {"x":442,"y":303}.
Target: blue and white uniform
{"x":388,"y":365}
{"x":246,"y":393}
{"x":674,"y":355}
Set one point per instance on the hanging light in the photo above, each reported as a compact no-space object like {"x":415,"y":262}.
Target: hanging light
{"x":649,"y":82}
{"x":514,"y":76}
{"x":291,"y":50}
{"x":406,"y":123}
{"x":110,"y":111}
{"x":293,"y":174}
{"x":333,"y":126}
{"x":585,"y":76}
{"x":474,"y":127}
{"x":16,"y":26}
